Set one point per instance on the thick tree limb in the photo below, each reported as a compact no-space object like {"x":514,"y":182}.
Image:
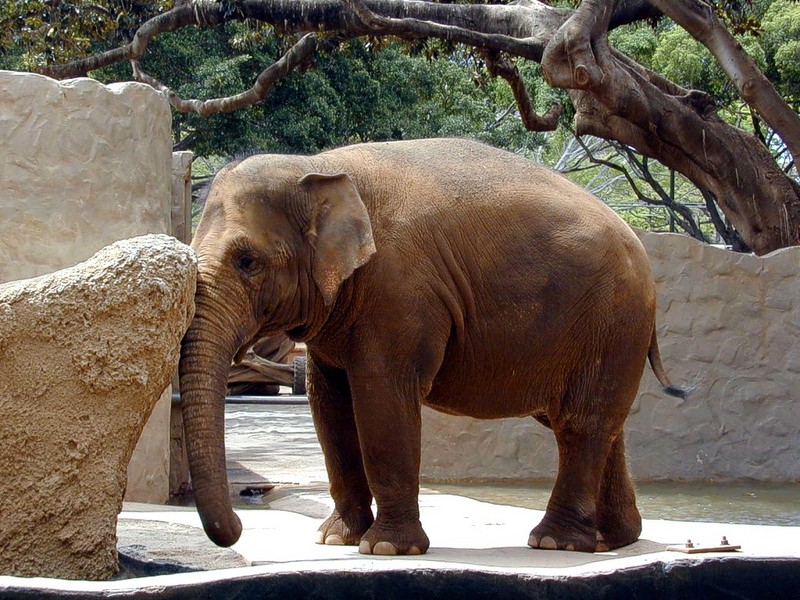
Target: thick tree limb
{"x":632,"y":11}
{"x":569,"y":60}
{"x":702,"y":23}
{"x":733,"y":165}
{"x":419,"y":28}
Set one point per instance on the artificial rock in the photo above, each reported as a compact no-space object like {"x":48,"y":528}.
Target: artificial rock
{"x":85,"y":354}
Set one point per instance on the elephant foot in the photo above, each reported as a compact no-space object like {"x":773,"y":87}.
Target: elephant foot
{"x":338,"y":530}
{"x":408,"y":540}
{"x":617,"y":537}
{"x":552,"y":536}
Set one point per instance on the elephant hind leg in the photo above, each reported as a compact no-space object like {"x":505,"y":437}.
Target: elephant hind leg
{"x":618,"y":518}
{"x":570,"y":521}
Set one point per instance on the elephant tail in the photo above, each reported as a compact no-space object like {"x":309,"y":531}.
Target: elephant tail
{"x":654,"y":356}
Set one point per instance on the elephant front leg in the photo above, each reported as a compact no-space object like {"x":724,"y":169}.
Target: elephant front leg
{"x":389,"y":426}
{"x":332,"y":410}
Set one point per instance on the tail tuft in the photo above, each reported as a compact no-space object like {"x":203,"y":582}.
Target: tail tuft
{"x":679,"y":392}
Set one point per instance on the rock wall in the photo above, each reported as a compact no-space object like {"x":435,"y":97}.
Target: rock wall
{"x":727,"y":323}
{"x":81,"y":166}
{"x":85,"y":354}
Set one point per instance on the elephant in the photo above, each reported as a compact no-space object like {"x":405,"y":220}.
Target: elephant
{"x":439,"y":272}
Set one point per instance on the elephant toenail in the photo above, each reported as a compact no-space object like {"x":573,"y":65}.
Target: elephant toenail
{"x":548,"y":543}
{"x":570,"y":547}
{"x":414,"y":551}
{"x":384,"y":549}
{"x":334,"y":540}
{"x":364,"y":547}
{"x":533,"y":541}
{"x":320,"y":537}
{"x":601,"y":546}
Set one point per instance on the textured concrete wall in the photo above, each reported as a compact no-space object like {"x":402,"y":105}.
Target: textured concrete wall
{"x":81,"y":166}
{"x":727,"y":322}
{"x":181,"y":212}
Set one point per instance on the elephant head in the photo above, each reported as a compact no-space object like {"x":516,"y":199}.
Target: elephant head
{"x":274,"y":244}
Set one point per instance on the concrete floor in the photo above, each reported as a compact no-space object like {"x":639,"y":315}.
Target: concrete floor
{"x":478,"y":549}
{"x":463,"y":531}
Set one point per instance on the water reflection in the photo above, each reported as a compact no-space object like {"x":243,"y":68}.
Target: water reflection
{"x":754,"y":503}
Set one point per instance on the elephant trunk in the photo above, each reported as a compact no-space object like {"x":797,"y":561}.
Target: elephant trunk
{"x":206,"y":353}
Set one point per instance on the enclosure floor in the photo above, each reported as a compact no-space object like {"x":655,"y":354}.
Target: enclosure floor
{"x":476,"y":544}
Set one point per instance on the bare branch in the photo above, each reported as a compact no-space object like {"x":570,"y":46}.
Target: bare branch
{"x":179,"y":16}
{"x":682,"y":214}
{"x":502,"y":67}
{"x":297,"y":55}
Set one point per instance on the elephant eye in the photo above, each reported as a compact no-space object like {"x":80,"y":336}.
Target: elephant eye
{"x":247,"y":264}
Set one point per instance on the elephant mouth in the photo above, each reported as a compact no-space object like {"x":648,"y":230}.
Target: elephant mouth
{"x":238,"y":357}
{"x":304,"y":333}
{"x":298,"y":333}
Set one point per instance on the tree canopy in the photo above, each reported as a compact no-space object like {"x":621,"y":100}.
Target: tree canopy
{"x":707,"y":90}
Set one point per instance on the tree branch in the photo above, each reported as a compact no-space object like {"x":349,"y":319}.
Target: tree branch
{"x":179,"y":16}
{"x":502,"y":67}
{"x":298,"y":54}
{"x":681,"y":213}
{"x":569,"y":60}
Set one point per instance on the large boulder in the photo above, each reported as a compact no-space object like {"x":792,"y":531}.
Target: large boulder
{"x":85,"y":354}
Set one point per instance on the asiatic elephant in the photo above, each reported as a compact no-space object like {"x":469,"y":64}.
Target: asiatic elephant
{"x":436,"y":272}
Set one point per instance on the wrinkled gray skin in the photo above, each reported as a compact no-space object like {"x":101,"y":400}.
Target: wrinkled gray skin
{"x":437,"y":272}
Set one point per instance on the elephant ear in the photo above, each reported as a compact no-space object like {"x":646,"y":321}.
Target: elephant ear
{"x":339,"y":230}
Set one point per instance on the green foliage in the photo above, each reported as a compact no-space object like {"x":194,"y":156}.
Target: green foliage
{"x":639,"y":41}
{"x":781,"y":41}
{"x":38,"y":32}
{"x":684,"y":60}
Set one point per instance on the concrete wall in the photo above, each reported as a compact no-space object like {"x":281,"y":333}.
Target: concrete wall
{"x":83,"y":165}
{"x":727,"y":322}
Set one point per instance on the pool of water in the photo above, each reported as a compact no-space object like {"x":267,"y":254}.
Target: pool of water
{"x":279,"y":444}
{"x":754,"y":503}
